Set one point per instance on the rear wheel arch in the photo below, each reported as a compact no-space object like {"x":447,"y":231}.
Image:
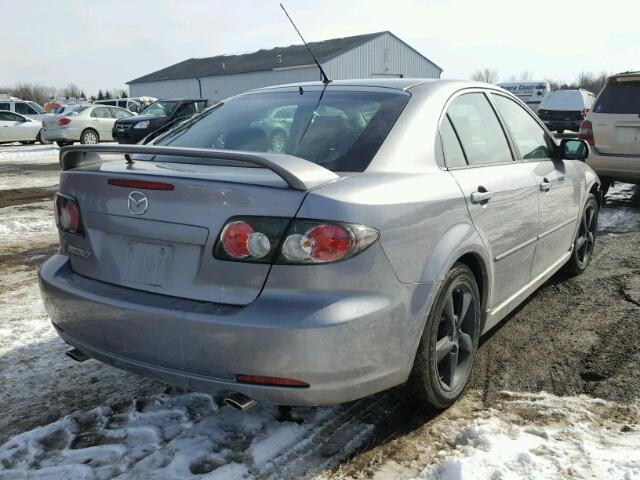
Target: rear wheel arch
{"x":479,"y":269}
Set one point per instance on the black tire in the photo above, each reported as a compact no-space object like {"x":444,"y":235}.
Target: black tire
{"x":434,"y":382}
{"x":39,"y":139}
{"x":89,"y":137}
{"x":607,"y":183}
{"x":29,"y":142}
{"x":585,"y":239}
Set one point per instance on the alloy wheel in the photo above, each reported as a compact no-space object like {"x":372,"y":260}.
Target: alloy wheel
{"x":586,"y":236}
{"x":90,"y":138}
{"x":454,"y":337}
{"x":278,"y":142}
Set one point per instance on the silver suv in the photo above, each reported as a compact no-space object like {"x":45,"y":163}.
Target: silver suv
{"x":400,"y":220}
{"x":612,"y":128}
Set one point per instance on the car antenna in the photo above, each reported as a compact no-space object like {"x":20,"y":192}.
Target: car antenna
{"x":325,"y":78}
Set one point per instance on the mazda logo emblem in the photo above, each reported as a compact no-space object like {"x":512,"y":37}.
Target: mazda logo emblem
{"x":137,"y":203}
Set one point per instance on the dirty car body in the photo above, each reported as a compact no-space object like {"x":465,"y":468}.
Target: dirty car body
{"x":212,"y":263}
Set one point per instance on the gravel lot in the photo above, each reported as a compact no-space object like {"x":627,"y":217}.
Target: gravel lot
{"x":574,"y":336}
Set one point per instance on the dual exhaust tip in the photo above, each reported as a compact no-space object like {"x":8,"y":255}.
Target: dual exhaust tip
{"x":237,"y":401}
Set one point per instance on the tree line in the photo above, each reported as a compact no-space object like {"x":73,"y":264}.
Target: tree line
{"x":42,"y":93}
{"x":594,"y":82}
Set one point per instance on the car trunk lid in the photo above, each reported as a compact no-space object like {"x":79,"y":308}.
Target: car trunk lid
{"x":162,"y":241}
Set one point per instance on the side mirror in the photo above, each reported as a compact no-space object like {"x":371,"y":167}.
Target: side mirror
{"x":573,"y":149}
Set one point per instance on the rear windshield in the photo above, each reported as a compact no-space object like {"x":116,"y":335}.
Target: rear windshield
{"x":619,"y":98}
{"x":340,"y":130}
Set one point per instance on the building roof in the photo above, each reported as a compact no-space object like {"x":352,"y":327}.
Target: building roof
{"x":278,"y":57}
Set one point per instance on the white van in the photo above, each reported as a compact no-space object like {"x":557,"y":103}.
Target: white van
{"x":566,"y":109}
{"x":126,"y":103}
{"x":530,"y":93}
{"x":27,"y":108}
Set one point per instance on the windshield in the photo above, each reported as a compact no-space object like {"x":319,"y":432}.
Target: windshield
{"x":37,"y":107}
{"x":340,"y":130}
{"x":161,"y":108}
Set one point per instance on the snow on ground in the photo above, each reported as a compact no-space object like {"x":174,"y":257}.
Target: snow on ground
{"x":28,"y":154}
{"x":22,"y":225}
{"x":545,"y":437}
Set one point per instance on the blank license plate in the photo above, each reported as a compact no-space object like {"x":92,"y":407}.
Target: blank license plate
{"x":147,"y":263}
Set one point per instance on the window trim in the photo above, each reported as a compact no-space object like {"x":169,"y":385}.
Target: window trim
{"x":511,"y":137}
{"x":444,"y":113}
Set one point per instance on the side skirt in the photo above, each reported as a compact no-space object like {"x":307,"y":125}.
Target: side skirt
{"x":496,"y":314}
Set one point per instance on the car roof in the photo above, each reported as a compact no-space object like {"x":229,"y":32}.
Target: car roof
{"x":400,"y":84}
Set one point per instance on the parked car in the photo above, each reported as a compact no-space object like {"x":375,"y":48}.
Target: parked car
{"x":127,"y":103}
{"x":404,"y":219}
{"x":564,"y":110}
{"x":612,"y":129}
{"x":88,"y":124}
{"x":18,"y":128}
{"x":277,"y":126}
{"x":26,"y":108}
{"x":155,"y":116}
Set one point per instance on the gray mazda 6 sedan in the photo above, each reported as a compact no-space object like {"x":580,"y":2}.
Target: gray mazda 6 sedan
{"x":400,"y":220}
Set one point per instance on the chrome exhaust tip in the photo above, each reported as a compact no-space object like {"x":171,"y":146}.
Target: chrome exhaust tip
{"x":238,"y":401}
{"x":76,"y":355}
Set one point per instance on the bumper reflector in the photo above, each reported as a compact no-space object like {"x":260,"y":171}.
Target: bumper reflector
{"x":270,"y":381}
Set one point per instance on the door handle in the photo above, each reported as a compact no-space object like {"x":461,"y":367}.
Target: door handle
{"x":545,"y":186}
{"x":480,"y":197}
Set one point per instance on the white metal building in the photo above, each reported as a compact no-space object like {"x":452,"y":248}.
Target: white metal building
{"x":372,"y":55}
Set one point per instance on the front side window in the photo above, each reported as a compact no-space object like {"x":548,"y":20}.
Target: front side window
{"x":36,"y":107}
{"x":10,"y":117}
{"x":24,"y":109}
{"x":338,"y":129}
{"x":5,"y":106}
{"x":479,"y":130}
{"x":531,"y":139}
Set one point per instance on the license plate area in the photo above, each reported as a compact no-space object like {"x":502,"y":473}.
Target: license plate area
{"x":148,"y":263}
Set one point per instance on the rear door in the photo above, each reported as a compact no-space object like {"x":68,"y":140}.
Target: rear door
{"x":501,"y":194}
{"x":103,"y":119}
{"x":12,"y":131}
{"x":559,"y":183}
{"x":616,"y":119}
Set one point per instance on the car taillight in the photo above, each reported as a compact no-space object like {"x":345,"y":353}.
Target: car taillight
{"x":67,"y":215}
{"x":282,"y":241}
{"x":586,"y":132}
{"x":64,"y":121}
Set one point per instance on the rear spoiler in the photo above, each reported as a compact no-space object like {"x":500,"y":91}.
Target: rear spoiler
{"x":300,"y":174}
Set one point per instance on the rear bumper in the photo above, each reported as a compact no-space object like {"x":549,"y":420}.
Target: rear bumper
{"x":345,"y":346}
{"x":618,"y":167}
{"x":573,"y":125}
{"x":64,"y":134}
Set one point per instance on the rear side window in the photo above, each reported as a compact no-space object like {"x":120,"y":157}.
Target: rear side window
{"x":4,"y":106}
{"x":621,"y":98}
{"x":338,"y":129}
{"x":479,"y":130}
{"x":453,"y":154}
{"x":531,"y":139}
{"x":101,"y":112}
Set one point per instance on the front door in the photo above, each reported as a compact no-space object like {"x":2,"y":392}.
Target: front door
{"x":558,"y":184}
{"x":501,"y":194}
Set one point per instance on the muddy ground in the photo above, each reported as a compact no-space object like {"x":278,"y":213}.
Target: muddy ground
{"x":573,"y":336}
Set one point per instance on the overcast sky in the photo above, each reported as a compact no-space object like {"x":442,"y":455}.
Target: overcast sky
{"x":105,"y":43}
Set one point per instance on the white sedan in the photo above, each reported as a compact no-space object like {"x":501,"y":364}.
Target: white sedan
{"x":18,"y":128}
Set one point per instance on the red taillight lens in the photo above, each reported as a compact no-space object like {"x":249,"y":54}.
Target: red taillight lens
{"x":586,"y":132}
{"x":256,"y":239}
{"x":64,"y":121}
{"x":329,"y":242}
{"x":235,"y":239}
{"x":68,"y":214}
{"x":271,"y":381}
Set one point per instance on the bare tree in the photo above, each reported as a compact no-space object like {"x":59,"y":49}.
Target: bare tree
{"x":31,"y":91}
{"x":591,"y":81}
{"x":526,"y":76}
{"x":488,"y":75}
{"x":71,"y":91}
